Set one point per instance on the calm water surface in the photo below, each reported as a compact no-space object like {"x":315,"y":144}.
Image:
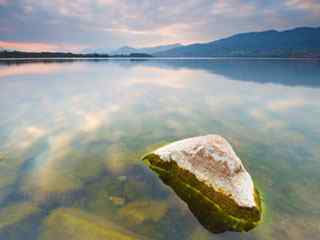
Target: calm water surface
{"x":72,"y":135}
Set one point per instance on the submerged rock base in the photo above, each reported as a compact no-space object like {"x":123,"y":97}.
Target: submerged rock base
{"x":215,"y":209}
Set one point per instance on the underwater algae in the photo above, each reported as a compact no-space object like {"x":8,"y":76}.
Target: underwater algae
{"x":15,"y":213}
{"x":75,"y":224}
{"x":138,"y":212}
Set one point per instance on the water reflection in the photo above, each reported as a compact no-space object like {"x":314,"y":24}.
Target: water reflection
{"x":72,"y":134}
{"x":279,"y":71}
{"x":293,"y":72}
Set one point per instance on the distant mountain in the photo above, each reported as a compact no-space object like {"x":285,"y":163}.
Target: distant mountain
{"x":124,"y":51}
{"x":96,"y":50}
{"x":298,"y":42}
{"x":148,"y":50}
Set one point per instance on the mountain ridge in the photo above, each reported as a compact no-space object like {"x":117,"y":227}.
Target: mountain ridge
{"x":296,"y":42}
{"x":148,"y":50}
{"x":125,"y":50}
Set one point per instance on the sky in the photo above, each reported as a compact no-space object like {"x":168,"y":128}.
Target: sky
{"x":73,"y":25}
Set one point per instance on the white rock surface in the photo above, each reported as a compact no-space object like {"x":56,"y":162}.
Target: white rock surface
{"x":212,"y":160}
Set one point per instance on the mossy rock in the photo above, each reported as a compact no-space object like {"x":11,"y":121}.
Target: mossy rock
{"x":75,"y":224}
{"x":210,"y":178}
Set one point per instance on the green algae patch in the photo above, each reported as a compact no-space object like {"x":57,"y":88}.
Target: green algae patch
{"x":135,"y":189}
{"x":16,"y":213}
{"x":2,"y":156}
{"x":74,"y":224}
{"x":49,"y":184}
{"x":9,"y":170}
{"x":138,"y":212}
{"x":213,"y":209}
{"x":119,"y":158}
{"x":7,"y":178}
{"x":200,"y":234}
{"x":103,"y":196}
{"x":118,"y":201}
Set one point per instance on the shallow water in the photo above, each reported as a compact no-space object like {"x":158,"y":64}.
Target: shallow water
{"x":72,"y":134}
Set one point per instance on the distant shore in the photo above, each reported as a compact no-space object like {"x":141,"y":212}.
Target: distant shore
{"x":155,"y":58}
{"x":64,"y":55}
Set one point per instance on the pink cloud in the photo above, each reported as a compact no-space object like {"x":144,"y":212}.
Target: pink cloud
{"x":105,"y":2}
{"x":233,"y":7}
{"x":3,"y":2}
{"x":38,"y":47}
{"x":307,"y":5}
{"x":36,"y":68}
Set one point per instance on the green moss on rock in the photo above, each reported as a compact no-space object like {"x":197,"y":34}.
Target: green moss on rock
{"x":214,"y":210}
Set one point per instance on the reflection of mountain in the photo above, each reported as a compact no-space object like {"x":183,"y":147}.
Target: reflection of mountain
{"x":285,"y":72}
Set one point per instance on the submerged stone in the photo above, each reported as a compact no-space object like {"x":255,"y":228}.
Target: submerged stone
{"x":75,"y":224}
{"x":207,"y":174}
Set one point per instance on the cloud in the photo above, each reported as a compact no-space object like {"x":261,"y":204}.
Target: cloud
{"x":264,"y":118}
{"x":106,"y":2}
{"x":109,"y":23}
{"x":233,"y":7}
{"x":3,"y":2}
{"x":27,"y":136}
{"x":286,"y":104}
{"x":161,"y":78}
{"x":94,"y":120}
{"x":36,"y":69}
{"x":38,"y":47}
{"x":306,"y":5}
{"x":28,"y":69}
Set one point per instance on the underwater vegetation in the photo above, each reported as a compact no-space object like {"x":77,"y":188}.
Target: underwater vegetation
{"x":74,"y":224}
{"x":15,"y":213}
{"x":139,"y":211}
{"x":72,"y":137}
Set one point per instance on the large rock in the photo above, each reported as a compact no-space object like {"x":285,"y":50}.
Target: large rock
{"x":207,"y":174}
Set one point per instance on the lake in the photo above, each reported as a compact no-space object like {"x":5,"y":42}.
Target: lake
{"x":72,"y":134}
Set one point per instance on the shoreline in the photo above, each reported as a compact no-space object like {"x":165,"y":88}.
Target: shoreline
{"x":162,"y":58}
